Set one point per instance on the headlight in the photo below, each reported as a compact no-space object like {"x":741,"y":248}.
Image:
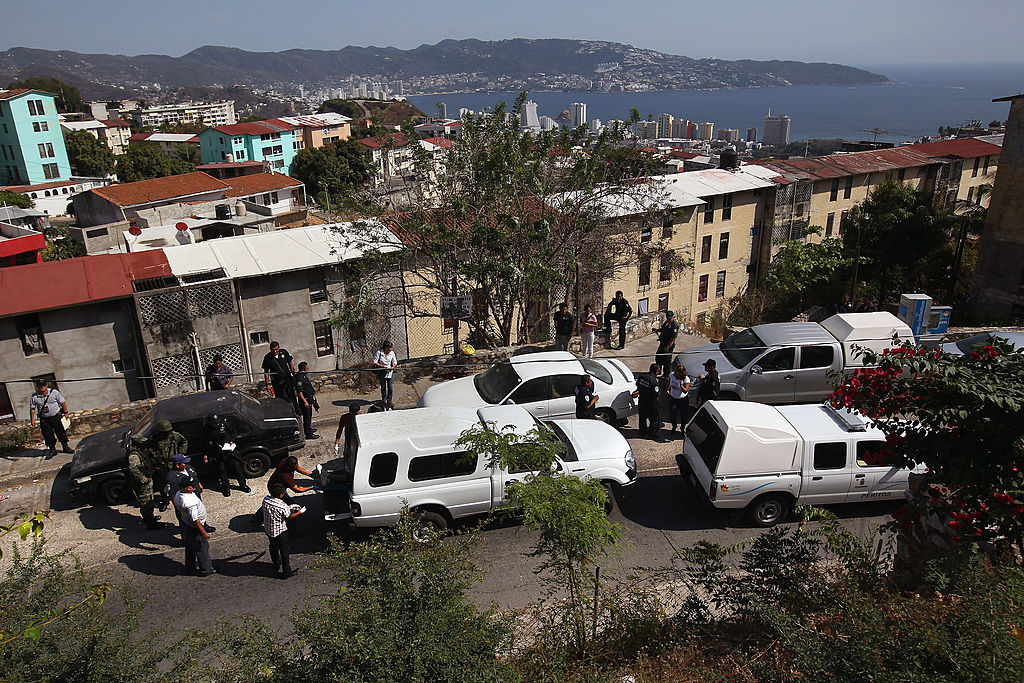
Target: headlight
{"x":630,"y":460}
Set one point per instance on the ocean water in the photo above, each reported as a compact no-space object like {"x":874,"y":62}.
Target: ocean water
{"x":919,"y":100}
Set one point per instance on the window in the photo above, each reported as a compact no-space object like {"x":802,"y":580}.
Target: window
{"x":723,"y":246}
{"x":702,"y":288}
{"x":123,"y":365}
{"x":50,"y":171}
{"x":530,"y":391}
{"x":441,"y":466}
{"x":4,"y":150}
{"x":32,"y":108}
{"x":240,"y":155}
{"x":237,"y":140}
{"x":834,"y":194}
{"x":324,"y":337}
{"x":720,"y":284}
{"x":709,"y":210}
{"x":830,"y":223}
{"x":848,"y":187}
{"x":279,"y":163}
{"x":564,"y":386}
{"x":984,"y":169}
{"x":257,"y":338}
{"x":842,"y":222}
{"x":778,"y":360}
{"x":970,"y":195}
{"x":977,"y":165}
{"x":726,"y":207}
{"x":901,"y":174}
{"x":829,"y":456}
{"x":31,"y":333}
{"x":97,"y":232}
{"x":705,"y":249}
{"x":869,"y":453}
{"x":816,"y":356}
{"x":643,"y":306}
{"x":666,"y":227}
{"x":383,"y":469}
{"x":36,"y":128}
{"x":644,"y":269}
{"x":45,"y":153}
{"x":317,"y":286}
{"x":665,"y":267}
{"x":663,"y":302}
{"x":645,"y":231}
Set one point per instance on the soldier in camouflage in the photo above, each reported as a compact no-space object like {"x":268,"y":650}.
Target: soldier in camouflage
{"x":140,"y":474}
{"x":164,"y":445}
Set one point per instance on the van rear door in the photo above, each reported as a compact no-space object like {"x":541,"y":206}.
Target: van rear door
{"x":828,"y":473}
{"x":703,"y":447}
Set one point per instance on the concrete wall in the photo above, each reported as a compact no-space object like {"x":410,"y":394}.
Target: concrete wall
{"x":82,"y":342}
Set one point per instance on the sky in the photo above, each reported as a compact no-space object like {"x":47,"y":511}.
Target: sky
{"x":860,"y":33}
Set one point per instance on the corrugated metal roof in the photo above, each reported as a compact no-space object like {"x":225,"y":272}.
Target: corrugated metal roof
{"x":964,"y":148}
{"x":76,"y":281}
{"x":281,"y":251}
{"x":329,"y":118}
{"x":253,"y":128}
{"x":255,"y":183}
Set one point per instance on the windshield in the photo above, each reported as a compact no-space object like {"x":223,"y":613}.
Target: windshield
{"x":251,"y":408}
{"x":142,"y":426}
{"x":596,"y":370}
{"x":565,"y":451}
{"x":968,"y":345}
{"x":742,"y":347}
{"x":707,"y":437}
{"x":497,"y":382}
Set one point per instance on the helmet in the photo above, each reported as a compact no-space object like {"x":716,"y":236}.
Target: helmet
{"x":163,"y":426}
{"x":468,"y":350}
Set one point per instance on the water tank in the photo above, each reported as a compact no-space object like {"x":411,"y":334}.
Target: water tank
{"x":223,"y":212}
{"x":729,"y":159}
{"x":239,"y":208}
{"x":229,"y":158}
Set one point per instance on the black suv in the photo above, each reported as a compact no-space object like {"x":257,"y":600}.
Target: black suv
{"x":266,"y":430}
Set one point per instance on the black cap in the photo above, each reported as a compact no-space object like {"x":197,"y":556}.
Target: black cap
{"x":41,"y":382}
{"x":185,"y":483}
{"x":710,"y":361}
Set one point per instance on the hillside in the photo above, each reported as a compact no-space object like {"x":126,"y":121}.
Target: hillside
{"x":464,"y":63}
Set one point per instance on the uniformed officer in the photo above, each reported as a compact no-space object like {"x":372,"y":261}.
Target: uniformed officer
{"x":647,"y":390}
{"x":219,"y":434}
{"x":140,"y":476}
{"x":165,"y":444}
{"x":306,"y":395}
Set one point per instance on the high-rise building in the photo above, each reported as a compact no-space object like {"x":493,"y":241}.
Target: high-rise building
{"x":729,"y":134}
{"x":646,"y":130}
{"x":442,"y":110}
{"x":595,"y":125}
{"x":548,"y":123}
{"x":530,"y":121}
{"x":680,"y":129}
{"x":707,"y":130}
{"x":31,"y":140}
{"x":665,"y":125}
{"x":751,"y":134}
{"x":776,"y":129}
{"x":579,"y":114}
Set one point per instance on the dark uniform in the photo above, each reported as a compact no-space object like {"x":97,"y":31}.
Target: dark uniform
{"x":647,"y":403}
{"x":163,"y":446}
{"x":140,"y":477}
{"x":218,"y":433}
{"x":584,"y":395}
{"x":667,"y":334}
{"x":305,"y":388}
{"x":709,"y":386}
{"x":278,"y":366}
{"x":620,"y":311}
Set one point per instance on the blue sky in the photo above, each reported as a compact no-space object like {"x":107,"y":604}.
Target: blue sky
{"x":860,"y":32}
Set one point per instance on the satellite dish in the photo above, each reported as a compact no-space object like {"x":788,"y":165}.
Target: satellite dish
{"x":181,"y":225}
{"x":135,"y":230}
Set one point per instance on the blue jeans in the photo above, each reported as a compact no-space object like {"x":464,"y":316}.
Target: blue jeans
{"x":197,"y":549}
{"x":387,"y":387}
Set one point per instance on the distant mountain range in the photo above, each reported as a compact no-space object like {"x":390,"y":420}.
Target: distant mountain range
{"x":450,"y":62}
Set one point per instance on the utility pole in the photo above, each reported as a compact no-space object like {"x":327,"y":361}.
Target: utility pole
{"x":455,"y":319}
{"x":328,"y":195}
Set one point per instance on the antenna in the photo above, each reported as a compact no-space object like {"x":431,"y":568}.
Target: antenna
{"x":874,"y":131}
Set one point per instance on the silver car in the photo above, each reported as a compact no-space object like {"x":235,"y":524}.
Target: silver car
{"x":965,"y":346}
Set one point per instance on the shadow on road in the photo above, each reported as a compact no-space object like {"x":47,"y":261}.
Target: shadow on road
{"x":130,"y":529}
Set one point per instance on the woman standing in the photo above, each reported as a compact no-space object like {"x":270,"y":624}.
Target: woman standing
{"x":678,"y":388}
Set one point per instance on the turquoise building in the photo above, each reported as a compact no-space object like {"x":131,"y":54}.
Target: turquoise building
{"x":31,"y":142}
{"x":274,"y":143}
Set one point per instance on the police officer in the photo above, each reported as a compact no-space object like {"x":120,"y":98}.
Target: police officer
{"x":218,"y":434}
{"x":164,"y":445}
{"x":620,"y":311}
{"x":647,"y":389}
{"x":306,"y":395}
{"x":586,"y":399}
{"x":140,"y":476}
{"x":277,"y":374}
{"x":667,"y":334}
{"x":50,"y":407}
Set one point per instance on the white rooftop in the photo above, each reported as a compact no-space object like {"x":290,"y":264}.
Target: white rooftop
{"x":281,"y":251}
{"x":329,"y":118}
{"x":170,"y":137}
{"x":83,"y":125}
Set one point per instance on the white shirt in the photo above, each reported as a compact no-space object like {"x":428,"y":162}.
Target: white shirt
{"x":388,"y":360}
{"x":191,"y":506}
{"x":675,"y":385}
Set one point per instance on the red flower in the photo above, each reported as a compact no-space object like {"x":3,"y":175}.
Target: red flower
{"x":953,"y":524}
{"x":954,"y":538}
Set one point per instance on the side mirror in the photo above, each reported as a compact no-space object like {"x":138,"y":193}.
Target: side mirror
{"x":756,"y":370}
{"x":509,"y":402}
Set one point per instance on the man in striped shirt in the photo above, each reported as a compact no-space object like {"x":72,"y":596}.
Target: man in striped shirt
{"x":276,"y":514}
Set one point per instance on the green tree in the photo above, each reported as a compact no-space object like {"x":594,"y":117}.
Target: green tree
{"x":88,"y":155}
{"x":60,"y":246}
{"x":337,"y":168}
{"x":143,"y":161}
{"x":343,"y":107}
{"x":186,"y":157}
{"x":900,"y":241}
{"x":8,"y":198}
{"x":67,"y":98}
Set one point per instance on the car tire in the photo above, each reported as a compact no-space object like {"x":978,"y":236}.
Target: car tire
{"x":113,"y":491}
{"x":610,"y":499}
{"x":769,"y":510}
{"x":255,"y":464}
{"x":427,"y":524}
{"x":606,"y":415}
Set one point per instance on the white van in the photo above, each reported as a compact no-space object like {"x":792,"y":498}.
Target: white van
{"x":407,"y":458}
{"x":766,"y":459}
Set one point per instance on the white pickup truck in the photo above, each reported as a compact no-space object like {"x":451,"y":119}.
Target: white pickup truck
{"x":766,"y":459}
{"x":791,"y":362}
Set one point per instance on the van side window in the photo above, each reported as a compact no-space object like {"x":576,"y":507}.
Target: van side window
{"x":816,"y":356}
{"x":829,"y":456}
{"x":535,"y":389}
{"x":441,"y":466}
{"x":780,"y":359}
{"x":869,"y":453}
{"x":383,"y":469}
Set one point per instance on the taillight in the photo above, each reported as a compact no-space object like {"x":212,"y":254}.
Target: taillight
{"x":356,"y":509}
{"x":713,"y":490}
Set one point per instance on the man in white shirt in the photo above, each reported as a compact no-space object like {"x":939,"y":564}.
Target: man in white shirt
{"x":276,"y":514}
{"x":50,"y":407}
{"x":193,"y":529}
{"x":385,"y":361}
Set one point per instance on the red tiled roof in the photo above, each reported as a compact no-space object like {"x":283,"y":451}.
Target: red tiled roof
{"x":82,"y":280}
{"x":254,"y":128}
{"x":255,"y":183}
{"x":10,"y":94}
{"x":965,"y":148}
{"x":139,"y":137}
{"x":159,"y":189}
{"x":441,"y":142}
{"x":400,"y":140}
{"x":227,"y":164}
{"x":115,"y":123}
{"x":680,"y":154}
{"x":41,"y":186}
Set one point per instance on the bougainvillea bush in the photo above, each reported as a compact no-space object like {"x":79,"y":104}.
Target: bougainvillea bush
{"x":962,"y":418}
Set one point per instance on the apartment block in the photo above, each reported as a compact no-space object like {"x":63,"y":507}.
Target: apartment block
{"x":31,"y":142}
{"x":211,"y":113}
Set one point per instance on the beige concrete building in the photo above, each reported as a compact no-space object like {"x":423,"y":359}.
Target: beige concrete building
{"x":316,"y":130}
{"x":114,"y":133}
{"x":212,"y":114}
